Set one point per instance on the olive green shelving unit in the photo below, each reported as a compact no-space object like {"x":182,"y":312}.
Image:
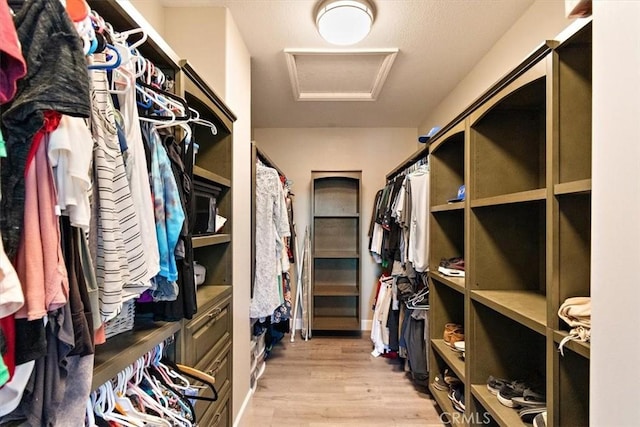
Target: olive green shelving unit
{"x":204,"y":342}
{"x":523,"y":150}
{"x":335,"y":240}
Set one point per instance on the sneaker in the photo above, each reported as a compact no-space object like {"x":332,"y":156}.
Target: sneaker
{"x":540,"y":420}
{"x":527,"y":415}
{"x":439,"y":383}
{"x":458,"y":346}
{"x":452,"y":267}
{"x":531,"y":399}
{"x":456,"y":395}
{"x":495,"y":384}
{"x":509,"y":391}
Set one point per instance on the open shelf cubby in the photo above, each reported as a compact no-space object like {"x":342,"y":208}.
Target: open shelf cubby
{"x":508,"y":247}
{"x":446,"y":161}
{"x":508,"y":143}
{"x":506,"y":349}
{"x":573,"y":90}
{"x":571,"y":397}
{"x":574,"y":235}
{"x":446,"y":236}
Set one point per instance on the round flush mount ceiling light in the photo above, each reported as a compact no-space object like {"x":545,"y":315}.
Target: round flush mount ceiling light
{"x":344,"y":22}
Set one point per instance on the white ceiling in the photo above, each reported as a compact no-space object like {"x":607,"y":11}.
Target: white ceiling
{"x":439,"y":42}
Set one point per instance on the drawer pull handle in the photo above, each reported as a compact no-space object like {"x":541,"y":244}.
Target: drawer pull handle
{"x":214,"y":370}
{"x":214,"y":312}
{"x":216,"y":418}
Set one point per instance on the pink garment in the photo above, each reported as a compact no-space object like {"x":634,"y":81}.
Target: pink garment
{"x":12,"y":64}
{"x":39,"y":261}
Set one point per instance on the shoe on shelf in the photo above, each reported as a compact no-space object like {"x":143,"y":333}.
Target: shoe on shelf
{"x":453,"y":333}
{"x":451,"y":378}
{"x":494,"y":384}
{"x":456,"y":395}
{"x":452,"y":267}
{"x":527,"y":415}
{"x":439,"y":383}
{"x":531,"y":398}
{"x":509,"y":391}
{"x":458,"y":346}
{"x":540,"y":420}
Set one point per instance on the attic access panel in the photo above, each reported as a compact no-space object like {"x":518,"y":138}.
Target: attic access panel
{"x":328,"y":75}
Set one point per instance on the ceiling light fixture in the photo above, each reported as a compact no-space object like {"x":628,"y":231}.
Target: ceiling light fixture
{"x":344,"y":22}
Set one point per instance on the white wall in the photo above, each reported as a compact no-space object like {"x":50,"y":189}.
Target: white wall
{"x":375,"y":151}
{"x":542,"y":21}
{"x":152,"y":11}
{"x":238,"y":98}
{"x":615,"y":285}
{"x":199,"y":35}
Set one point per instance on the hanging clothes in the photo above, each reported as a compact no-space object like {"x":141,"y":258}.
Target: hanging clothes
{"x":272,"y":226}
{"x":138,"y":176}
{"x":56,"y":80}
{"x":70,"y":152}
{"x":169,"y":215}
{"x":12,"y":66}
{"x":185,"y":304}
{"x":120,"y":262}
{"x":418,"y":247}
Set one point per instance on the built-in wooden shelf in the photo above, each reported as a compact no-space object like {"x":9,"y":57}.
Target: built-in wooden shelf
{"x":573,"y":187}
{"x":335,"y":291}
{"x":336,"y":323}
{"x":579,"y":347}
{"x":451,"y":357}
{"x":455,"y":206}
{"x":456,"y":283}
{"x":504,"y":199}
{"x":209,"y":240}
{"x":336,"y":254}
{"x":210,"y":176}
{"x":124,"y":349}
{"x":525,"y":307}
{"x":503,"y":415}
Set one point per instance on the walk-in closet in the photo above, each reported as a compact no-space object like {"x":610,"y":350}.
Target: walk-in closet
{"x":316,"y":213}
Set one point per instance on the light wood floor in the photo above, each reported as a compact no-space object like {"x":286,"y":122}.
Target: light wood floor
{"x":335,"y":382}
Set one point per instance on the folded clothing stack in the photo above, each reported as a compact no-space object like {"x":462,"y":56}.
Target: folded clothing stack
{"x":576,"y":312}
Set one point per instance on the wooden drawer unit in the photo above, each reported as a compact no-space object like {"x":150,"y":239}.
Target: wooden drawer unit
{"x":219,"y":367}
{"x":210,"y":327}
{"x":218,"y":414}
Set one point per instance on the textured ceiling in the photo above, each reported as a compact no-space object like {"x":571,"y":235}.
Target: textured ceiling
{"x":439,"y":42}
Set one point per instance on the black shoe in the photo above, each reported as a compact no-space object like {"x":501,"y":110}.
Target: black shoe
{"x":527,"y":415}
{"x":456,"y":395}
{"x":494,"y":384}
{"x":509,"y":391}
{"x":540,"y":420}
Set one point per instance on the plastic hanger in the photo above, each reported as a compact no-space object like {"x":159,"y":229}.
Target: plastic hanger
{"x":110,"y":415}
{"x":196,"y":374}
{"x":115,"y":60}
{"x":197,"y":120}
{"x":127,"y":407}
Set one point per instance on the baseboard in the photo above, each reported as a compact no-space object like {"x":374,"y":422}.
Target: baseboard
{"x":246,"y":401}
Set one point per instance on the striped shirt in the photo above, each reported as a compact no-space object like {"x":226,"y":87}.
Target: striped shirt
{"x":121,"y":269}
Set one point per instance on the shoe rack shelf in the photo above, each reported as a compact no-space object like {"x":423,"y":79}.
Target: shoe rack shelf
{"x":523,"y":151}
{"x":450,"y":357}
{"x":335,"y":266}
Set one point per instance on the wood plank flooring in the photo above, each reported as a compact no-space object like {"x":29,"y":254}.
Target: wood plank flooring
{"x":329,"y":381}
